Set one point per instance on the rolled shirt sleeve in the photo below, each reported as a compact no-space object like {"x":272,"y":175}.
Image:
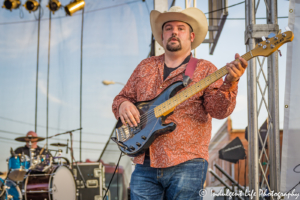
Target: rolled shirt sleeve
{"x":220,"y":97}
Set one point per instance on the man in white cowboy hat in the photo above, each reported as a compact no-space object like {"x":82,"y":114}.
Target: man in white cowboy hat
{"x":175,"y":165}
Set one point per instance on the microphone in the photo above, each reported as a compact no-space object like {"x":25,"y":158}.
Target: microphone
{"x":67,"y":146}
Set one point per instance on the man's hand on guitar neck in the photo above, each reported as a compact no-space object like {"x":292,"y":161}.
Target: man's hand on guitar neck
{"x":236,"y":68}
{"x":129,"y":113}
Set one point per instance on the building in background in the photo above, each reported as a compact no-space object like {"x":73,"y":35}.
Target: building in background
{"x":238,"y":171}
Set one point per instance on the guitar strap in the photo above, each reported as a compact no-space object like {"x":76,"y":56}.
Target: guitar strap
{"x":189,"y":71}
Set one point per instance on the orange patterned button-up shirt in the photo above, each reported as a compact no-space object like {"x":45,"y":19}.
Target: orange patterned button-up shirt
{"x":191,"y":137}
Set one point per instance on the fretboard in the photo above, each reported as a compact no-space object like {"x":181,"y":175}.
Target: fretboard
{"x":169,"y":105}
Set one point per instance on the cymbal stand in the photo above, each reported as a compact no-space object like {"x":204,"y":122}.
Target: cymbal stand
{"x":59,"y":156}
{"x":30,"y":152}
{"x":72,"y":155}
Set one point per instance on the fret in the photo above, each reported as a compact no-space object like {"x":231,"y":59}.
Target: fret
{"x":170,"y":104}
{"x":175,"y":99}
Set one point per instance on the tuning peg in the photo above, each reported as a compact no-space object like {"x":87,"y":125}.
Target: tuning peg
{"x":271,"y":35}
{"x":279,"y":52}
{"x":263,"y":38}
{"x":287,"y":28}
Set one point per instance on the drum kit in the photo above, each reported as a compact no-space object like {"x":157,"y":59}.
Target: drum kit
{"x":38,"y":177}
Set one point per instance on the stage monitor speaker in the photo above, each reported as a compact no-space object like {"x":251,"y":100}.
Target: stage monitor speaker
{"x":233,"y":151}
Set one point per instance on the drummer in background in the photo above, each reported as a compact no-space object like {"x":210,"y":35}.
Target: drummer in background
{"x":34,"y":145}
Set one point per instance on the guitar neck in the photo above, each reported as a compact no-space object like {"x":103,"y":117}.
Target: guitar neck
{"x":169,"y":105}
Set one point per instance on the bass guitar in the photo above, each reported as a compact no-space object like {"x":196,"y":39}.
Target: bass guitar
{"x":135,"y":140}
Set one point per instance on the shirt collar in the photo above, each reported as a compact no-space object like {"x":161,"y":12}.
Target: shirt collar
{"x":179,"y":70}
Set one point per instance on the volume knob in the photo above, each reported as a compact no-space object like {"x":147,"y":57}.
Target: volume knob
{"x":144,"y":137}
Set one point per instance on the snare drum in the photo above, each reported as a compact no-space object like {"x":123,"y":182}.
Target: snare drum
{"x":18,"y":166}
{"x":56,"y":184}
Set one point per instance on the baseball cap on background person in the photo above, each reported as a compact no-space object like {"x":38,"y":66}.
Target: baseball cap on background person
{"x":194,"y":17}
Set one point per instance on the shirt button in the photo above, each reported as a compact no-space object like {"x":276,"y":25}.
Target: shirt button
{"x":160,"y":86}
{"x":224,"y":83}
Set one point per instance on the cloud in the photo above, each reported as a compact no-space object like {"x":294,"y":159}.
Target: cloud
{"x":43,"y":89}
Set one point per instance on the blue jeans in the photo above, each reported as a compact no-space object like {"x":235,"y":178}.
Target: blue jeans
{"x":180,"y":182}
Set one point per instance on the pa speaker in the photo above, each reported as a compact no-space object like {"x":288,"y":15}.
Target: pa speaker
{"x":233,"y":151}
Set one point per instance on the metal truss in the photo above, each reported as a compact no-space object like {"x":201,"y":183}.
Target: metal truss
{"x":262,"y":97}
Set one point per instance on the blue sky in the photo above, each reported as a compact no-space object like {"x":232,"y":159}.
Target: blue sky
{"x":116,"y":38}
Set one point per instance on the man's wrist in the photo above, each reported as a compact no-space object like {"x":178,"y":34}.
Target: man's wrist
{"x":234,"y":80}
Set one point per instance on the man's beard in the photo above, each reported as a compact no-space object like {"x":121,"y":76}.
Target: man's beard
{"x":174,"y":48}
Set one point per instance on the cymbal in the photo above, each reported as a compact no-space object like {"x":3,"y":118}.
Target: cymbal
{"x":58,"y":144}
{"x":29,"y":138}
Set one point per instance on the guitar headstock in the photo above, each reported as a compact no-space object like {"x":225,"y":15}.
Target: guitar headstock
{"x":267,"y":47}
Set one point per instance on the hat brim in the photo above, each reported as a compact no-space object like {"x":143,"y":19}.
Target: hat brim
{"x":192,"y":16}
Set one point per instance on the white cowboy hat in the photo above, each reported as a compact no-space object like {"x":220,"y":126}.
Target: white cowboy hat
{"x":192,"y":16}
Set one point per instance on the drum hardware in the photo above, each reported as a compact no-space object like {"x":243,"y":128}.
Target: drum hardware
{"x":50,"y":164}
{"x":59,"y":153}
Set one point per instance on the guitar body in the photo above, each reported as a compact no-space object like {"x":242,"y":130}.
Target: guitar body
{"x":134,"y":141}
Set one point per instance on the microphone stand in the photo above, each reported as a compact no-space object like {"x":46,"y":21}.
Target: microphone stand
{"x":63,"y":133}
